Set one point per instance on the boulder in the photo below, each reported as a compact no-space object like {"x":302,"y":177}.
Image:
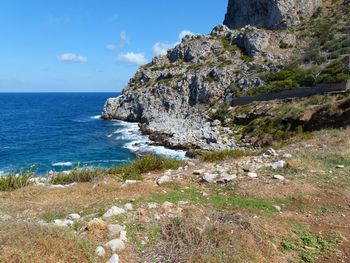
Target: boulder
{"x":114,"y":211}
{"x":114,"y":229}
{"x":116,"y":245}
{"x":271,"y":14}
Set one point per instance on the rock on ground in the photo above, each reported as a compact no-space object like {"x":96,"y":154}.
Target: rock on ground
{"x":114,"y":211}
{"x":116,"y":245}
{"x":100,"y":251}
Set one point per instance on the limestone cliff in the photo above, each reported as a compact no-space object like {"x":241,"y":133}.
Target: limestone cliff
{"x":179,"y":99}
{"x":271,"y":14}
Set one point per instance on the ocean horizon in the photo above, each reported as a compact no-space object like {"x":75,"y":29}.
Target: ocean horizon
{"x":57,"y":131}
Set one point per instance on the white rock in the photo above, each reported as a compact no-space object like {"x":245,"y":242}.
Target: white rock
{"x":287,"y":156}
{"x":65,"y":222}
{"x":252,"y":175}
{"x":278,"y":208}
{"x":129,"y":182}
{"x":123,"y":236}
{"x":115,"y":229}
{"x":340,"y":166}
{"x":116,"y":245}
{"x":114,"y":259}
{"x":114,"y":211}
{"x":278,"y":165}
{"x":210,"y":178}
{"x":100,"y":251}
{"x":128,"y":207}
{"x":278,"y":177}
{"x":152,"y":205}
{"x":73,"y":217}
{"x":164,"y":179}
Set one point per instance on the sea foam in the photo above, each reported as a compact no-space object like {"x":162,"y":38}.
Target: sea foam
{"x":136,"y":142}
{"x":62,"y":164}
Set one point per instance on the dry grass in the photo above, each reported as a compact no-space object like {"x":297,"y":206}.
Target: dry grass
{"x":22,"y":243}
{"x":222,"y":238}
{"x":82,"y":198}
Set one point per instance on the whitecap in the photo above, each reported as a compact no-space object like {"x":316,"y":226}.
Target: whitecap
{"x":136,"y":142}
{"x":97,"y":117}
{"x":62,"y":164}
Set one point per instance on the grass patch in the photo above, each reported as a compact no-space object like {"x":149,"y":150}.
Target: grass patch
{"x":308,"y":245}
{"x":216,"y":156}
{"x":216,"y":199}
{"x":14,"y":180}
{"x":148,"y":163}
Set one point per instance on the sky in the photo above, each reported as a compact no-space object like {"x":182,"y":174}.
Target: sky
{"x":92,"y":45}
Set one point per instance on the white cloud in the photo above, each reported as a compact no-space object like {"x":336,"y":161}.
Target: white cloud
{"x":184,"y":33}
{"x":133,"y":58}
{"x":123,"y":41}
{"x":111,"y":46}
{"x":69,"y":57}
{"x":160,"y":48}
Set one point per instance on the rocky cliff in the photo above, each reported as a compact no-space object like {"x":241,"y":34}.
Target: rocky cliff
{"x":272,"y":14}
{"x":179,"y":99}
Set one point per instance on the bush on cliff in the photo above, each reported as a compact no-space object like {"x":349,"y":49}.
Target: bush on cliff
{"x":14,"y":180}
{"x":145,"y":164}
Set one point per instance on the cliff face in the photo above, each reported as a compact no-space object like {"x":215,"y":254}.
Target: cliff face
{"x":172,"y":96}
{"x":179,"y":98}
{"x":271,"y":14}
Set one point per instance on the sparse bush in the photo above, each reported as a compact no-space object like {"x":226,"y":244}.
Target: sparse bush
{"x":77,"y":175}
{"x":222,"y":155}
{"x":148,"y":163}
{"x":14,"y":180}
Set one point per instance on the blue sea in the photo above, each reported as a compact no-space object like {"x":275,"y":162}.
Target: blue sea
{"x":58,"y":131}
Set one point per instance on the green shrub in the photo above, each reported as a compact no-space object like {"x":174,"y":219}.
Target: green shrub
{"x":222,"y":112}
{"x":148,"y":163}
{"x":78,"y":175}
{"x":215,"y":156}
{"x":14,"y":180}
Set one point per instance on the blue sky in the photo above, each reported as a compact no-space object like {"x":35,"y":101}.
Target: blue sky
{"x":91,"y":45}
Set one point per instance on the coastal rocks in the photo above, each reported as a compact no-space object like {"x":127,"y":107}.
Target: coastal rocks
{"x":114,"y":211}
{"x":218,"y":178}
{"x":270,"y":14}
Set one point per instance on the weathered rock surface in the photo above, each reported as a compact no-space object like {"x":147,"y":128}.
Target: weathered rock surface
{"x":271,"y":14}
{"x":172,"y":96}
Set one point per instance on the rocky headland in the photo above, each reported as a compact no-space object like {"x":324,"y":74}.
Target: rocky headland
{"x":182,"y":99}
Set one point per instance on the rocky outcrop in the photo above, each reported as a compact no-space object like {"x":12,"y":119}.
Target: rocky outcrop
{"x":271,"y":14}
{"x":172,"y":96}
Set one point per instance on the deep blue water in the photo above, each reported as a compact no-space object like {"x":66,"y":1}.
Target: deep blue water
{"x":46,"y":129}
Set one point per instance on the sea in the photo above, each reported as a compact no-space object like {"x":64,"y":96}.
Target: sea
{"x":59,"y":131}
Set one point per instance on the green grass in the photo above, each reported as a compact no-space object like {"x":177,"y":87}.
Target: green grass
{"x":304,"y":239}
{"x":216,"y":199}
{"x":216,"y":156}
{"x":148,"y":163}
{"x":14,"y":180}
